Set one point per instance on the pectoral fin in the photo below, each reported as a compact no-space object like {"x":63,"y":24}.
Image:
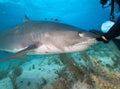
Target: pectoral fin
{"x":21,"y":54}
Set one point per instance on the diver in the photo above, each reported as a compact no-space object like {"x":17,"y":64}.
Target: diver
{"x":114,"y":31}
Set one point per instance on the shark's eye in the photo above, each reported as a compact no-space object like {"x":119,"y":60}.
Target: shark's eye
{"x":80,"y":34}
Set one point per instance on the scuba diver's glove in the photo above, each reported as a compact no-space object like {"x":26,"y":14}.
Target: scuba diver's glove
{"x":100,"y":36}
{"x":103,"y":38}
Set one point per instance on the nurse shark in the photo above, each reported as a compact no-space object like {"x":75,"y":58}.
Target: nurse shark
{"x":44,"y":37}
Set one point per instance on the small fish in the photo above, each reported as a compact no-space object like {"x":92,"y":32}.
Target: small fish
{"x":52,"y":19}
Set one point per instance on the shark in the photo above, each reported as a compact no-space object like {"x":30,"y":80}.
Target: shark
{"x":44,"y":37}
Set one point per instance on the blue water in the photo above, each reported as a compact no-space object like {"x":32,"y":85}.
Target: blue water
{"x":79,"y":13}
{"x":97,"y":67}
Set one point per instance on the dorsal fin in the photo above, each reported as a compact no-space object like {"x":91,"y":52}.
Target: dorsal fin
{"x":26,"y":19}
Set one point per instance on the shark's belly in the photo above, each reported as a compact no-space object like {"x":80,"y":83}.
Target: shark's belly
{"x":52,"y":49}
{"x":47,"y":49}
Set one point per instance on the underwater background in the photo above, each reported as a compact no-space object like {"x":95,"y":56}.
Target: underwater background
{"x":95,"y":68}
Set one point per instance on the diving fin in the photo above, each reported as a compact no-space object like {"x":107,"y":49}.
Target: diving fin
{"x":21,"y":54}
{"x":117,"y":43}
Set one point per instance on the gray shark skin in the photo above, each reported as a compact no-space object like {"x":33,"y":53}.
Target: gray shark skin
{"x":43,"y":37}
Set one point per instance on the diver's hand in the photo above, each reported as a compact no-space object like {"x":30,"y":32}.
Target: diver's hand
{"x":102,"y":38}
{"x":100,"y":35}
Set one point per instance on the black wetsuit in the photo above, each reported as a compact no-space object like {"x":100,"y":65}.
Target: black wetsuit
{"x":114,"y":31}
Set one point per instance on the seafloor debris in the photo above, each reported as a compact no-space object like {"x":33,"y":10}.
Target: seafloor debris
{"x":97,"y":77}
{"x":107,"y":79}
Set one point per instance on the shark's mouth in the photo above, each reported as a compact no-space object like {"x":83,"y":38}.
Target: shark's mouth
{"x":80,"y":46}
{"x":88,"y":42}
